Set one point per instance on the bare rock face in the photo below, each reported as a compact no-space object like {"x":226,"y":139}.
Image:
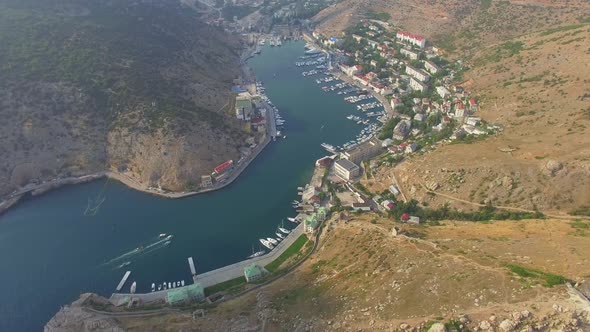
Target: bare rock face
{"x":75,"y":318}
{"x":437,"y":327}
{"x":552,"y":167}
{"x":171,"y":159}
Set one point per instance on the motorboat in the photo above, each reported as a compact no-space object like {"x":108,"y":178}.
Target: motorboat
{"x":281,"y":236}
{"x":133,"y":287}
{"x":153,"y":287}
{"x":286,"y":231}
{"x":163,"y":235}
{"x":271,"y":240}
{"x":182,"y":282}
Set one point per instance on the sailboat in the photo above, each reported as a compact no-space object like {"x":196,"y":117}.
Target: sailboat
{"x":256,"y":254}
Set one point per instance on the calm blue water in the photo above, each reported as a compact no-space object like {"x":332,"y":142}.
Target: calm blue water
{"x":50,"y":252}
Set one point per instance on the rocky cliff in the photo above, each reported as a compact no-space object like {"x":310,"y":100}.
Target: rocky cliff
{"x":135,"y":86}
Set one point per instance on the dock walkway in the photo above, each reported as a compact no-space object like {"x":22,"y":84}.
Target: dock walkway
{"x":236,"y":270}
{"x":220,"y":275}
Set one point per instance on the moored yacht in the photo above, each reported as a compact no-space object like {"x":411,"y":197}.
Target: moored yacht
{"x":267,"y":244}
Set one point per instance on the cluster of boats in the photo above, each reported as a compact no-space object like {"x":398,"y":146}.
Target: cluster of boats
{"x":335,"y":87}
{"x":325,"y":79}
{"x":358,"y":98}
{"x":166,"y":285}
{"x":312,"y":72}
{"x":330,"y":148}
{"x":279,"y":121}
{"x":272,"y":41}
{"x":368,"y":106}
{"x":315,"y":62}
{"x":270,"y":242}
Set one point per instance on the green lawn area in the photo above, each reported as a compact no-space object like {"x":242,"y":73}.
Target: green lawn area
{"x":292,"y":250}
{"x":225,"y":285}
{"x":549,"y":279}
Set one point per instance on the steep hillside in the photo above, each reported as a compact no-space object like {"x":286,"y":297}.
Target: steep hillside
{"x":457,"y":25}
{"x":525,"y":64}
{"x":134,"y":86}
{"x":502,"y":276}
{"x":537,"y":88}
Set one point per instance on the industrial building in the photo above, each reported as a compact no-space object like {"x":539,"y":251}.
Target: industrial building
{"x":364,"y":151}
{"x":346,"y":169}
{"x":193,"y":292}
{"x":253,"y":272}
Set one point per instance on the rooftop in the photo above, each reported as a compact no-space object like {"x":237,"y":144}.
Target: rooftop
{"x":347,"y":164}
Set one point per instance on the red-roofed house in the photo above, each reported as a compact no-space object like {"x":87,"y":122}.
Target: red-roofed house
{"x":411,"y":38}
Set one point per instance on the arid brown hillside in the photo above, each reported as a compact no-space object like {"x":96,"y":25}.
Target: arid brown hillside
{"x":537,"y":88}
{"x":132,"y":86}
{"x":456,"y":24}
{"x":528,"y":67}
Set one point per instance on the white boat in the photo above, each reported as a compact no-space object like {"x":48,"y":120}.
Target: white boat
{"x":159,"y":287}
{"x":178,"y":284}
{"x":257,"y":254}
{"x":286,"y":231}
{"x":164,"y":286}
{"x":291,"y":219}
{"x":133,"y":287}
{"x":169,"y":285}
{"x":281,"y":236}
{"x":162,"y":235}
{"x":169,"y":237}
{"x":299,"y":188}
{"x":182,"y":282}
{"x":267,"y":244}
{"x":153,"y":287}
{"x":271,"y":240}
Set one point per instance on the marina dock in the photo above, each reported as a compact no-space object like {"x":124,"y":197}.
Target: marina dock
{"x":236,"y":270}
{"x":123,"y":281}
{"x":192,"y":266}
{"x":214,"y":277}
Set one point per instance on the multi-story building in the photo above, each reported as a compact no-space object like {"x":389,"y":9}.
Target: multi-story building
{"x":346,"y":169}
{"x":417,"y":73}
{"x":364,"y":151}
{"x":409,"y":54}
{"x":431,"y":67}
{"x":443,"y":92}
{"x":411,"y":39}
{"x":417,"y":85}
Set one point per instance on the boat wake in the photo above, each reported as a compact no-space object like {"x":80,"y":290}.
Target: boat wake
{"x":142,"y":250}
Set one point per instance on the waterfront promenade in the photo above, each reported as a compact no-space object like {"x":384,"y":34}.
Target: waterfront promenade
{"x":220,"y":275}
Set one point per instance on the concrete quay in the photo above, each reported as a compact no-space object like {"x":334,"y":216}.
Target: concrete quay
{"x":220,"y":275}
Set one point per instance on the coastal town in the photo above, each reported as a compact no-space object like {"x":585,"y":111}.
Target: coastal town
{"x":408,"y":100}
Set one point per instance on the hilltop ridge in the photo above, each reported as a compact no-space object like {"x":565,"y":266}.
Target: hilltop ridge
{"x":134,"y":86}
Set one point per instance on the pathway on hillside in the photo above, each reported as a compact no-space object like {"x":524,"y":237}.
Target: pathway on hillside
{"x":510,"y":208}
